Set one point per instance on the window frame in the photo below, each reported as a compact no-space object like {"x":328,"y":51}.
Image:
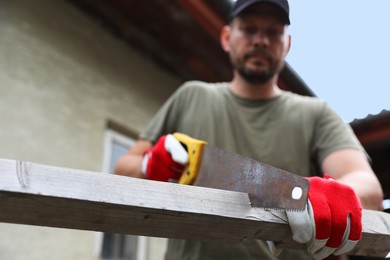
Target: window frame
{"x":111,"y":136}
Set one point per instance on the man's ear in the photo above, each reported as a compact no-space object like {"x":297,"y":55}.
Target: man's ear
{"x":288,"y":44}
{"x":225,"y":37}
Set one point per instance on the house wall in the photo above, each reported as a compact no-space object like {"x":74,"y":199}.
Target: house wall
{"x":62,"y":78}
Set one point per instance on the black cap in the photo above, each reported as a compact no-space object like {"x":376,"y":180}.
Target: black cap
{"x":241,"y":5}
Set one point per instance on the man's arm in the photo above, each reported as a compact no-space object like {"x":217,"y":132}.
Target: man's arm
{"x":351,"y":167}
{"x":332,"y":223}
{"x":130,"y":163}
{"x":163,"y":161}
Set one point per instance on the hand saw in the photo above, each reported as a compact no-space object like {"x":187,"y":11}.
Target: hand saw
{"x":267,"y":187}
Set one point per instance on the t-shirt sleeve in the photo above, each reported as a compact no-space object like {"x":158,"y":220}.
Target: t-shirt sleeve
{"x":332,"y":134}
{"x":166,"y":119}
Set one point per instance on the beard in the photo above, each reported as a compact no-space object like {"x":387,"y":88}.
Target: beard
{"x":255,"y":76}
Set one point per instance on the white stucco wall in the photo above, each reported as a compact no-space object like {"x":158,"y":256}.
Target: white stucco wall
{"x":62,"y":77}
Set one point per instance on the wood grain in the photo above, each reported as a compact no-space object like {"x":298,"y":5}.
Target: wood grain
{"x":43,"y":195}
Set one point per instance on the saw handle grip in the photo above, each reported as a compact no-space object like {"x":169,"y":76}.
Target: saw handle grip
{"x":194,"y":149}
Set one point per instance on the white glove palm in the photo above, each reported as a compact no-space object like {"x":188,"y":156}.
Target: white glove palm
{"x":331,"y":222}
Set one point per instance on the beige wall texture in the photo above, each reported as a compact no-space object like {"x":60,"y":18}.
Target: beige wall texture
{"x":62,"y":78}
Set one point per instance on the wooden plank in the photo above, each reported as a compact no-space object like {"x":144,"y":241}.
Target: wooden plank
{"x":36,"y":194}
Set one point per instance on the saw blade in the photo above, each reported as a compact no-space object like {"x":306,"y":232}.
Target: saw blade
{"x":268,"y":187}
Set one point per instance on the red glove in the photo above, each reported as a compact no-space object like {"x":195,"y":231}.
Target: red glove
{"x":332,"y":222}
{"x":166,"y":160}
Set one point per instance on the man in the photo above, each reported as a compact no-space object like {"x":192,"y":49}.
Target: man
{"x":253,"y":117}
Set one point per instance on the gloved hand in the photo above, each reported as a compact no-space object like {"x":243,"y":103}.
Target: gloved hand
{"x":166,"y":160}
{"x":331,"y":223}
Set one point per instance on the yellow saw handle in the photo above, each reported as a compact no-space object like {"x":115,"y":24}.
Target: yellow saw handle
{"x":194,"y":149}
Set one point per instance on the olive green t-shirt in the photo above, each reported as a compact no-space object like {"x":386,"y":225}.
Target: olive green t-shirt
{"x":291,"y":132}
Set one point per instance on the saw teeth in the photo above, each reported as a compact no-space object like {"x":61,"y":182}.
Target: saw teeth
{"x":279,"y":209}
{"x":296,"y":210}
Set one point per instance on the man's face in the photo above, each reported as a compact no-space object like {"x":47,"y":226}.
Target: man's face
{"x":257,"y":43}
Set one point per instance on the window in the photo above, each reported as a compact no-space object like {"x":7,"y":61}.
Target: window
{"x":118,"y":246}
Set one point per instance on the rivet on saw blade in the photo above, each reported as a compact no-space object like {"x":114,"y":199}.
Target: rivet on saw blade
{"x":296,"y":193}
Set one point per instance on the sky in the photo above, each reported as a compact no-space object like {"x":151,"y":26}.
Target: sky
{"x":341,"y":50}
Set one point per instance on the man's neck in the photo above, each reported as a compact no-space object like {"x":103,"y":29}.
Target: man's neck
{"x":244,"y":89}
